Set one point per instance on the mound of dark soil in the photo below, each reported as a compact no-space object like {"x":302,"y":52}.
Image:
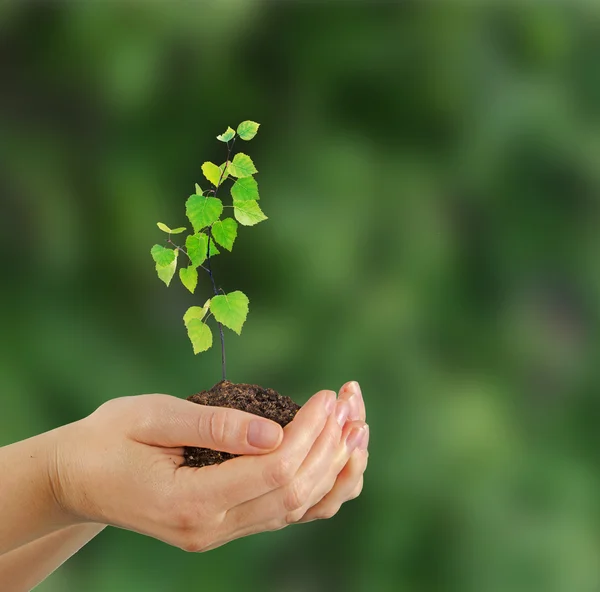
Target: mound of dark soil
{"x":247,"y":397}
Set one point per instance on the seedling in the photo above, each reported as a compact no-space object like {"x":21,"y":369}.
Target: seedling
{"x":211,"y":227}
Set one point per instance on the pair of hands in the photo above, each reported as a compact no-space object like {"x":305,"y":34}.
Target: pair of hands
{"x":122,"y":466}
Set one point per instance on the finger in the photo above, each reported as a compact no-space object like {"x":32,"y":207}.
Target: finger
{"x":288,"y":504}
{"x":245,"y":478}
{"x":263,"y":513}
{"x":351,"y":392}
{"x":352,"y":437}
{"x":319,"y":471}
{"x":172,"y":422}
{"x":357,"y":490}
{"x":348,"y":485}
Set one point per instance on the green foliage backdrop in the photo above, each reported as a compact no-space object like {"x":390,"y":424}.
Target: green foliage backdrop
{"x":432,"y":171}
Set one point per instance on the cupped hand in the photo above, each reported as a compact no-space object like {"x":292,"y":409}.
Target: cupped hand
{"x":349,"y":481}
{"x":122,"y":465}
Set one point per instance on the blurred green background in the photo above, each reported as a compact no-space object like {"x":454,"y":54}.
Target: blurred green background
{"x":431,"y":171}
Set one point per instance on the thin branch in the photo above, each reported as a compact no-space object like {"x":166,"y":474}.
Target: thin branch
{"x":209,"y":266}
{"x":180,"y":248}
{"x":186,"y":254}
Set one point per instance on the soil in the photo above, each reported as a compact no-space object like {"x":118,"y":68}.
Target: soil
{"x":252,"y":398}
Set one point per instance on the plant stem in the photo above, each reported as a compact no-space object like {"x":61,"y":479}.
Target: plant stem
{"x":185,"y":253}
{"x":179,"y":248}
{"x":209,"y":267}
{"x":214,"y":285}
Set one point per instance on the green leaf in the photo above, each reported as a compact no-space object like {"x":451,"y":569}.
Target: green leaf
{"x":242,"y":166}
{"x":198,"y":189}
{"x":212,"y":172}
{"x":245,"y":189}
{"x":166,"y":262}
{"x":196,"y":246}
{"x":203,"y":211}
{"x":214,"y":250}
{"x":225,"y":232}
{"x":200,"y":335}
{"x":248,"y":212}
{"x":247,"y":129}
{"x":227,"y":135}
{"x":166,"y":229}
{"x":189,"y":277}
{"x":162,"y":255}
{"x":166,"y":273}
{"x":230,"y":309}
{"x":196,"y":312}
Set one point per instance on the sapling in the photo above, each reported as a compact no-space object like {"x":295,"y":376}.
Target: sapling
{"x":213,"y":228}
{"x":207,"y":215}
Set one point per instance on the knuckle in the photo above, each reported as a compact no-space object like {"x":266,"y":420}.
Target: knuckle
{"x":220,"y":426}
{"x":294,"y":517}
{"x":281,"y":473}
{"x":141,"y":413}
{"x":217,"y":427}
{"x":328,"y":511}
{"x":332,"y":436}
{"x":114,"y":409}
{"x":193,"y":543}
{"x":296,"y":495}
{"x":108,"y":407}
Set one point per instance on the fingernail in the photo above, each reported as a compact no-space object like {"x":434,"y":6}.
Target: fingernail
{"x":362,"y":445}
{"x":341,"y":412}
{"x":331,"y":401}
{"x":354,"y":400}
{"x":355,"y":388}
{"x":263,"y":434}
{"x":354,"y":406}
{"x":354,"y":438}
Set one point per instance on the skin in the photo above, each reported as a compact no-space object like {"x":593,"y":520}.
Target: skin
{"x":121,"y":466}
{"x":25,"y":567}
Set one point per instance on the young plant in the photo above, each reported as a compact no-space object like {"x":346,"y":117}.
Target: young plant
{"x":205,"y":211}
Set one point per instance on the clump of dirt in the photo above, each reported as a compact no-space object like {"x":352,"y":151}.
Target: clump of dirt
{"x":252,"y":398}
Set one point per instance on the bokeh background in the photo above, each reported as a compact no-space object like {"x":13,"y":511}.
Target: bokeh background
{"x":431,"y":172}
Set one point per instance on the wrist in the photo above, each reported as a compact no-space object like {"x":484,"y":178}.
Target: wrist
{"x":64,"y":475}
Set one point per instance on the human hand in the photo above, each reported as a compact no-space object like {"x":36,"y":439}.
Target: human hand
{"x":349,"y":481}
{"x":122,"y":466}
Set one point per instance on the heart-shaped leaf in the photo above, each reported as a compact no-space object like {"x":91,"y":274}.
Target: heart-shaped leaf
{"x":230,"y":309}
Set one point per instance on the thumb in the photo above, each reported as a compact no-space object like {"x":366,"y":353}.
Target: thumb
{"x":174,"y":422}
